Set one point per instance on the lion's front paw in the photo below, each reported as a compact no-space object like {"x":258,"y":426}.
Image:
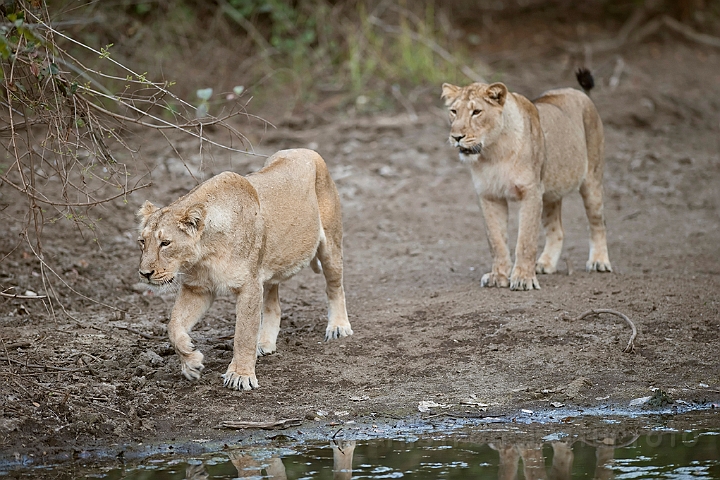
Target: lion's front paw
{"x":191,"y":365}
{"x":494,"y":280}
{"x":237,"y":381}
{"x":598,"y":266}
{"x":524,"y":283}
{"x":545,"y":266}
{"x":336,"y":331}
{"x":266,"y":348}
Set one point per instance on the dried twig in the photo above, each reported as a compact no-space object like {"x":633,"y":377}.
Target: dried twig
{"x":22,"y":297}
{"x":279,"y":424}
{"x":630,"y":348}
{"x":137,"y":332}
{"x":46,"y":367}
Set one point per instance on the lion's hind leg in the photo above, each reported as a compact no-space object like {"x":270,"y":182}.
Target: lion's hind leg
{"x":592,"y":194}
{"x":591,"y":191}
{"x":552,"y":223}
{"x":330,"y":256}
{"x":329,"y":252}
{"x":270,"y":326}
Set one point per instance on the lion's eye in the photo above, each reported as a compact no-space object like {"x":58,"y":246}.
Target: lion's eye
{"x":476,"y":112}
{"x":453,"y":111}
{"x":165,"y":243}
{"x":141,"y":242}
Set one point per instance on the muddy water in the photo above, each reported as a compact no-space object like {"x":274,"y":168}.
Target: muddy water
{"x":506,"y":450}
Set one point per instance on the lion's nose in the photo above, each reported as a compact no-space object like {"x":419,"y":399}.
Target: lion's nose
{"x":457,"y":138}
{"x":147,"y":274}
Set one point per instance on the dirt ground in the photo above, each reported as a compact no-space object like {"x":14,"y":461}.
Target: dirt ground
{"x":415,"y":251}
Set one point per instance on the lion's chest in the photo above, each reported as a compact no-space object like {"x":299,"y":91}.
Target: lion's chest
{"x":500,"y":180}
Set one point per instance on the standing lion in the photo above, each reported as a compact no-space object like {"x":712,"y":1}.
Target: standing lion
{"x":534,"y":153}
{"x":245,"y":235}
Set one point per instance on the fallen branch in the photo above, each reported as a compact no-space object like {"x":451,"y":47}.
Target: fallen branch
{"x":279,"y":424}
{"x":630,"y":348}
{"x":630,"y":33}
{"x":689,"y":33}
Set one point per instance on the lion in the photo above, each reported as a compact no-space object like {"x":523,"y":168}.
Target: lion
{"x":244,"y":236}
{"x":534,"y":153}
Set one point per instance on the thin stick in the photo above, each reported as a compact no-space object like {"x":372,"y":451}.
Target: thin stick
{"x":23,"y":297}
{"x":240,"y":424}
{"x":136,"y":332}
{"x":46,"y":367}
{"x":596,"y":311}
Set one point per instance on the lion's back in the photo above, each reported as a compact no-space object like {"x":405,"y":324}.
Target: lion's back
{"x":566,"y":115}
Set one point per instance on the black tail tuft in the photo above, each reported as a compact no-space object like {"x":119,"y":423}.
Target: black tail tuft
{"x":585,"y":79}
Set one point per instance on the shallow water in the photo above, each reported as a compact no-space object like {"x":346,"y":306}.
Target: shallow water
{"x":656,"y":454}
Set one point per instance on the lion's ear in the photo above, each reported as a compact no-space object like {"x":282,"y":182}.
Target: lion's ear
{"x":497,"y":92}
{"x":449,"y":93}
{"x":145,"y":211}
{"x":193,"y":219}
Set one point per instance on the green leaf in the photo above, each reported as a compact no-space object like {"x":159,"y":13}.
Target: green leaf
{"x":105,"y":51}
{"x":54,"y":70}
{"x":5,"y":48}
{"x":238,"y":90}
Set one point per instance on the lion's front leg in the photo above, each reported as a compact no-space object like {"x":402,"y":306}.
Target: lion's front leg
{"x":495,"y":212}
{"x":190,"y":305}
{"x":240,"y":374}
{"x":523,"y":273}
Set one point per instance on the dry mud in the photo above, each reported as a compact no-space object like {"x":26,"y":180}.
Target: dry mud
{"x":415,"y":250}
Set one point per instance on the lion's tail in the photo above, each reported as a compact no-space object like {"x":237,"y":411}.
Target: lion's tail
{"x":585,"y":79}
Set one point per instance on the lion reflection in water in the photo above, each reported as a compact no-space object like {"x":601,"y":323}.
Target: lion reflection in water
{"x":247,"y":466}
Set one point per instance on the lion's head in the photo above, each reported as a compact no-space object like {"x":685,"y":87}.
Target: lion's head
{"x":476,"y":118}
{"x":168,"y":240}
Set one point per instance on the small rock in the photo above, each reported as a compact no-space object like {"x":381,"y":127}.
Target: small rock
{"x":574,"y":387}
{"x":639,"y":401}
{"x":9,"y":424}
{"x":387,"y":171}
{"x":152,"y":358}
{"x":426,"y":405}
{"x":138,"y":382}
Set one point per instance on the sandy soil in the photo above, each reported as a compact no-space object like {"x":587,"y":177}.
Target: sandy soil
{"x":415,"y":250}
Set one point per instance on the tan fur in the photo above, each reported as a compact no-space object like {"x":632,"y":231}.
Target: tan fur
{"x":534,"y":153}
{"x":245,"y":235}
